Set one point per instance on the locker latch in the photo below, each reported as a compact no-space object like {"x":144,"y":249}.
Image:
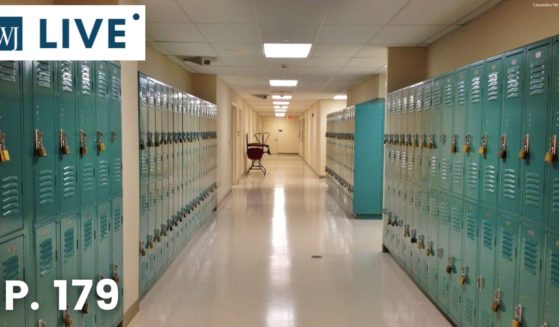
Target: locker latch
{"x":479,"y":283}
{"x":552,"y":151}
{"x":142,"y":249}
{"x":42,"y":323}
{"x":83,"y":143}
{"x":64,"y":147}
{"x":116,"y":277}
{"x":67,"y":318}
{"x":39,"y":147}
{"x":442,"y":139}
{"x":483,"y":147}
{"x":4,"y":153}
{"x":450,"y":265}
{"x":422,"y":141}
{"x":517,"y":321}
{"x":496,"y":304}
{"x":503,"y":147}
{"x":416,"y":141}
{"x":525,"y":150}
{"x":454,"y":144}
{"x":413,"y":239}
{"x":421,"y":242}
{"x":409,"y":142}
{"x":113,"y":136}
{"x":431,"y":141}
{"x":428,"y":246}
{"x":467,"y":144}
{"x":100,"y":145}
{"x":463,"y":275}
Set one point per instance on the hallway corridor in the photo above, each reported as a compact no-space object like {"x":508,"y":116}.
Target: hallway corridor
{"x":252,"y":265}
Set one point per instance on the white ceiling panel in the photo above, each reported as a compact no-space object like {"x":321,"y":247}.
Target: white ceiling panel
{"x":440,"y":12}
{"x":334,"y":51}
{"x":406,"y":34}
{"x":289,"y":12}
{"x":238,"y":49}
{"x":376,"y":12}
{"x":220,"y":11}
{"x":164,"y":11}
{"x":347,"y":34}
{"x":294,"y":33}
{"x":238,"y":61}
{"x":372,"y":63}
{"x":371,"y":51}
{"x":224,"y":33}
{"x":188,"y":49}
{"x":178,"y":32}
{"x":319,"y":70}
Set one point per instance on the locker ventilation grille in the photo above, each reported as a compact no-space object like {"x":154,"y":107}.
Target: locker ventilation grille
{"x":46,"y":187}
{"x":66,"y":76}
{"x":85,"y":78}
{"x":444,"y":212}
{"x":445,"y":169}
{"x":473,"y":176}
{"x":69,"y":243}
{"x":533,"y":185}
{"x":530,"y":257}
{"x":115,"y":87}
{"x":461,"y":93}
{"x":43,"y":74}
{"x":117,"y":171}
{"x":554,"y":268}
{"x":102,"y":83}
{"x":8,"y":72}
{"x":45,"y":256}
{"x":427,"y":97}
{"x":144,"y":158}
{"x":555,"y":195}
{"x":144,"y":202}
{"x":10,"y":268}
{"x":493,"y":86}
{"x":458,"y":174}
{"x":103,"y":226}
{"x":537,"y":79}
{"x":87,"y":235}
{"x":509,"y":184}
{"x":513,"y":82}
{"x":471,"y":225}
{"x":469,"y":312}
{"x":485,"y":320}
{"x":157,"y":98}
{"x":10,"y":196}
{"x":476,"y":89}
{"x":164,"y":100}
{"x":437,"y":97}
{"x":411,"y":103}
{"x":103,"y":173}
{"x":488,"y":235}
{"x":143,"y":92}
{"x":117,"y":220}
{"x":455,"y":296}
{"x":448,"y":94}
{"x":88,"y":177}
{"x":507,"y":245}
{"x":490,"y":179}
{"x":68,"y":182}
{"x":419,"y":100}
{"x":151,"y":94}
{"x":405,"y":104}
{"x":433,"y":208}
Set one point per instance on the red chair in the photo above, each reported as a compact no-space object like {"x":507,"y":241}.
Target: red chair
{"x":255,"y":151}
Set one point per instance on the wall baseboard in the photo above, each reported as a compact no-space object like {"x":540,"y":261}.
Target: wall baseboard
{"x":131,"y":313}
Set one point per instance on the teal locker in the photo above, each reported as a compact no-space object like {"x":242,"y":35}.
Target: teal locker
{"x":143,"y":130}
{"x":551,"y":281}
{"x":69,"y":264}
{"x":506,"y":269}
{"x":474,"y":110}
{"x":446,"y":143}
{"x":446,"y":267}
{"x":457,"y":139}
{"x":144,"y":241}
{"x":426,"y":132}
{"x":104,"y":262}
{"x":117,"y":256}
{"x":102,"y":136}
{"x":11,"y":175}
{"x":553,"y":194}
{"x":470,"y":261}
{"x":423,"y":238}
{"x":417,"y":120}
{"x":435,"y":143}
{"x":45,"y":145}
{"x":432,"y":243}
{"x":529,"y":278}
{"x":66,"y":140}
{"x":538,"y":71}
{"x":511,"y":131}
{"x":492,"y":102}
{"x":115,"y":131}
{"x":46,"y":273}
{"x":487,"y":256}
{"x":12,"y":260}
{"x":152,"y":143}
{"x":88,"y":268}
{"x":85,"y":100}
{"x":455,"y":252}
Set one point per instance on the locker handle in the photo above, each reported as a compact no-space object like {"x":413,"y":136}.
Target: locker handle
{"x":552,"y":151}
{"x":525,"y":150}
{"x":64,"y":147}
{"x":4,"y":154}
{"x":39,"y":147}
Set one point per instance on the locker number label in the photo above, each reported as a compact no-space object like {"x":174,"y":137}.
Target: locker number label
{"x":106,"y":291}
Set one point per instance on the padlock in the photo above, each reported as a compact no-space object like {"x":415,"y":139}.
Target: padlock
{"x":116,"y":277}
{"x":517,"y":320}
{"x":495,"y":306}
{"x":42,"y":323}
{"x":466,"y":148}
{"x":428,"y":251}
{"x":83,"y":150}
{"x":85,"y":308}
{"x":502,"y":154}
{"x":550,"y":154}
{"x":522,"y":154}
{"x":549,"y":157}
{"x":453,"y":147}
{"x":449,"y":266}
{"x":4,"y":155}
{"x":41,"y":151}
{"x":524,"y":151}
{"x":101,"y":147}
{"x":482,"y":150}
{"x":515,"y":323}
{"x":462,"y":280}
{"x":67,"y":318}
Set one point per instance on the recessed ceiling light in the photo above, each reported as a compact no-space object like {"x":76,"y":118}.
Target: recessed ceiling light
{"x":280,"y":107}
{"x":281,"y":103}
{"x":278,"y":114}
{"x":287,"y":50}
{"x":283,"y":82}
{"x":281,"y":97}
{"x":280,"y":110}
{"x":340,"y":97}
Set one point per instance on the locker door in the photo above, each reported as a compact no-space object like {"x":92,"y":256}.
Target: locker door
{"x":44,"y":130}
{"x":551,"y":281}
{"x":531,"y":253}
{"x":85,"y":132}
{"x":445,"y":257}
{"x":433,"y":243}
{"x":446,"y":133}
{"x":491,"y":131}
{"x":473,"y":132}
{"x":423,"y":239}
{"x":507,"y":269}
{"x":152,"y":141}
{"x":144,"y":242}
{"x":456,"y":253}
{"x":488,"y":237}
{"x":11,"y":214}
{"x":46,"y":273}
{"x":435,"y":142}
{"x":471,"y":221}
{"x":69,"y":264}
{"x":458,"y":137}
{"x":144,"y":179}
{"x":538,"y":64}
{"x":553,"y":194}
{"x":66,"y":141}
{"x":115,"y":131}
{"x":102,"y":134}
{"x":12,"y":263}
{"x":426,"y":131}
{"x":88,"y":269}
{"x":104,"y":262}
{"x":117,"y":256}
{"x":511,"y":131}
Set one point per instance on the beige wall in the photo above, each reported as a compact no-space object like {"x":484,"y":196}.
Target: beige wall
{"x":373,"y":88}
{"x":510,"y":24}
{"x":159,"y":67}
{"x":405,"y":66}
{"x":288,"y":140}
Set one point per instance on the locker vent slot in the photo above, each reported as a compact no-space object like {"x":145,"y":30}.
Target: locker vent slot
{"x":513,"y":82}
{"x":433,"y":207}
{"x":10,"y":268}
{"x":87,"y":235}
{"x":157,"y":99}
{"x":471,"y":226}
{"x":69,"y":182}
{"x":476,"y":90}
{"x":427,"y":98}
{"x":398,"y":159}
{"x":448,"y":94}
{"x":445,"y":169}
{"x":555,"y":195}
{"x":457,"y":219}
{"x":488,"y":235}
{"x":117,"y":171}
{"x":437,"y":98}
{"x":554,"y":268}
{"x":145,"y":202}
{"x":507,"y":245}
{"x":46,"y":187}
{"x":143,"y":92}
{"x":455,"y":296}
{"x":537,"y":79}
{"x":43,"y":74}
{"x":151,"y":95}
{"x":444,"y":212}
{"x":10,"y":196}
{"x":473,"y":176}
{"x":424,"y":202}
{"x":69,"y":243}
{"x":67,"y":80}
{"x":405,"y":104}
{"x":115,"y":88}
{"x":45,"y":256}
{"x":103,"y":226}
{"x":103,"y":172}
{"x":117,"y":220}
{"x":8,"y":71}
{"x":532,"y":188}
{"x":403,"y":161}
{"x":531,"y":257}
{"x":469,"y":311}
{"x":509,"y":184}
{"x":411,"y":161}
{"x":461,"y":92}
{"x":458,"y":173}
{"x":102,"y":84}
{"x":425,"y":166}
{"x":144,"y":159}
{"x":490,"y":179}
{"x":85,"y":72}
{"x":88,"y":177}
{"x":493,"y":86}
{"x":485,"y":320}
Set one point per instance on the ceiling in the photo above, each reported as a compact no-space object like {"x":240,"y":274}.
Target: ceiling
{"x":349,"y":37}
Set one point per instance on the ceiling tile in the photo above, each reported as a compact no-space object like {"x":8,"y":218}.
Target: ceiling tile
{"x":366,"y":62}
{"x":219,"y":11}
{"x":294,"y":33}
{"x":440,"y":12}
{"x":188,"y":49}
{"x":224,"y":33}
{"x":347,"y":34}
{"x":406,"y":34}
{"x":238,"y":61}
{"x":289,"y":12}
{"x":164,"y":11}
{"x":376,"y":12}
{"x":318,"y":70}
{"x":178,"y":32}
{"x":238,"y":49}
{"x":334,"y":51}
{"x":371,"y":51}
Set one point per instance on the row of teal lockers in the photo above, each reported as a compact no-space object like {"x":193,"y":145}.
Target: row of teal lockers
{"x":472,"y":188}
{"x":178,"y":171}
{"x":61,"y":186}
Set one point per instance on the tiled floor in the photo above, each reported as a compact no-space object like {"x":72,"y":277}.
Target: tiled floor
{"x":252,"y":265}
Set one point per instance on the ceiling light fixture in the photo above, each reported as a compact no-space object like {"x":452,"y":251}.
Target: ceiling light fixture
{"x":287,"y":50}
{"x":284,"y":82}
{"x":280,"y":107}
{"x":281,"y":103}
{"x":280,"y":110}
{"x":278,"y":114}
{"x":281,"y":97}
{"x":340,"y":97}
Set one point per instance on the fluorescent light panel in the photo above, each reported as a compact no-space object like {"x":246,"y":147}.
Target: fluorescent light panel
{"x":281,"y":97}
{"x":280,"y":110}
{"x":284,"y":82}
{"x":281,"y":103}
{"x":280,"y":107}
{"x":278,"y":114}
{"x":287,"y":50}
{"x":340,"y":97}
